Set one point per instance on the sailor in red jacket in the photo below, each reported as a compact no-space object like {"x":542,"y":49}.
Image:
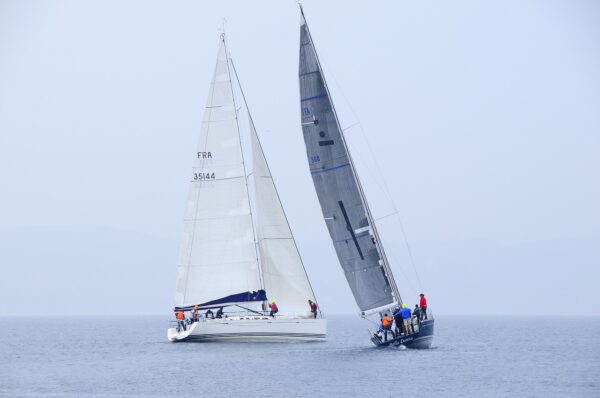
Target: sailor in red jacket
{"x":273,"y":308}
{"x":423,"y":305}
{"x":313,"y":307}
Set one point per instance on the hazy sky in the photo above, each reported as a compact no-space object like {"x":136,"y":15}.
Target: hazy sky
{"x":484,"y":118}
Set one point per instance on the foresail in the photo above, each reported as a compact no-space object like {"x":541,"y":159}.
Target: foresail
{"x":337,"y":188}
{"x":283,"y":272}
{"x":217,"y":256}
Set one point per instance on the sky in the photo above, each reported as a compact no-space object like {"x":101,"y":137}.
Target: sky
{"x":478,"y":121}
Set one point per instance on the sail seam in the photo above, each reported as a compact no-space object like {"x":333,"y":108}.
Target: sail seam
{"x":216,"y":218}
{"x":329,"y":169}
{"x":314,"y":97}
{"x":217,"y":179}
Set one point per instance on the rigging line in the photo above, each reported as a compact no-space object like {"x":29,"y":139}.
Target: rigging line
{"x":349,"y":127}
{"x":272,"y":179}
{"x":386,"y":190}
{"x":248,"y":309}
{"x":395,"y":212}
{"x":366,"y":166}
{"x":406,"y":278}
{"x":386,"y":216}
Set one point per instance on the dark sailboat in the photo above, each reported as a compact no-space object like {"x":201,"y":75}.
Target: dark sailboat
{"x":344,"y":205}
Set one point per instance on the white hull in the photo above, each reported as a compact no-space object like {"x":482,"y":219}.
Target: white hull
{"x":280,"y":329}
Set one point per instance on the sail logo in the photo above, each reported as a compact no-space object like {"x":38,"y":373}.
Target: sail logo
{"x":305,"y":111}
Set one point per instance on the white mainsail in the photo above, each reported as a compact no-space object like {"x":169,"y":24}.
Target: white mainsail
{"x":218,"y":254}
{"x":283,"y":273}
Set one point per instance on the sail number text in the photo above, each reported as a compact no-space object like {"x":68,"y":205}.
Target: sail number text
{"x":204,"y":176}
{"x":315,"y":159}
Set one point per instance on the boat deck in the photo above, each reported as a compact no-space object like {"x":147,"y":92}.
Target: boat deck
{"x":421,"y":339}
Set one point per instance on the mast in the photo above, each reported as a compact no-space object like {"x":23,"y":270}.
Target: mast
{"x":218,"y":261}
{"x":229,"y":60}
{"x":294,"y":259}
{"x":371,"y":221}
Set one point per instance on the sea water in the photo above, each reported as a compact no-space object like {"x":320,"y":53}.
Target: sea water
{"x":131,"y":357}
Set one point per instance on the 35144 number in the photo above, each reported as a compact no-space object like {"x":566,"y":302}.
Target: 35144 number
{"x":204,"y":176}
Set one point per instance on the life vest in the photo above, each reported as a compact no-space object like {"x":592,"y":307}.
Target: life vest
{"x":386,"y":322}
{"x":423,"y":302}
{"x":180,"y":315}
{"x":273,"y":307}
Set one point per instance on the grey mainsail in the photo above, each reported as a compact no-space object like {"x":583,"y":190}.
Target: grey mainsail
{"x":340,"y":194}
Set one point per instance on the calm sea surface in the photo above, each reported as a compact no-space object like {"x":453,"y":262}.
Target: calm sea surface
{"x":472,"y":357}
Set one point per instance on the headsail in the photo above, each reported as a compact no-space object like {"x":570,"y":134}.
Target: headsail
{"x":344,"y":207}
{"x":282,"y":269}
{"x":218,"y":260}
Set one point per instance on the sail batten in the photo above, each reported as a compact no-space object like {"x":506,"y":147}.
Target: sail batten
{"x":338,"y":188}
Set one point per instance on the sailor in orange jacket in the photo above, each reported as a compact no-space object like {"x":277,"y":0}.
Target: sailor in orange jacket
{"x":180,"y":316}
{"x":386,"y":322}
{"x":386,"y":325}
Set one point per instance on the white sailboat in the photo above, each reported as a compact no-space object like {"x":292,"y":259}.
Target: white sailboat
{"x":236,"y":257}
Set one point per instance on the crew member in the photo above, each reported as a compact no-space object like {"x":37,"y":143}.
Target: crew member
{"x":417,"y":313}
{"x":313,"y":307}
{"x":407,"y":319}
{"x":220,"y":312}
{"x":209,"y":313}
{"x":386,"y":325}
{"x":423,"y":305}
{"x":180,"y":316}
{"x":195,"y":313}
{"x":398,"y":320}
{"x":273,"y":308}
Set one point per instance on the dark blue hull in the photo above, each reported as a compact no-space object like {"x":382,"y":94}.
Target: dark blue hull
{"x":421,"y":339}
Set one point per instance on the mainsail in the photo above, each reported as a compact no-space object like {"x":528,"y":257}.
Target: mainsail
{"x":344,"y":206}
{"x":222,"y":261}
{"x":218,"y":261}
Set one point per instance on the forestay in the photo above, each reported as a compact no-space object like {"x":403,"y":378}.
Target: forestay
{"x":218,"y":255}
{"x":338,"y":190}
{"x":283,"y":273}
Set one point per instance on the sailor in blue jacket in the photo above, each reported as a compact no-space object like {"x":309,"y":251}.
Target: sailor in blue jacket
{"x":407,"y":319}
